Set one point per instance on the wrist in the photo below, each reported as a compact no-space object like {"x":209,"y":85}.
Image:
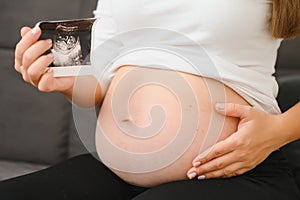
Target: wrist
{"x":281,"y":130}
{"x":68,"y":93}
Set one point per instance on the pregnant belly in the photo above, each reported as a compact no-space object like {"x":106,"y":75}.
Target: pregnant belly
{"x":154,"y":122}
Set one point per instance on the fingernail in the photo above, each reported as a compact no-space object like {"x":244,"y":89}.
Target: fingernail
{"x":197,"y":164}
{"x":220,"y":106}
{"x":192,"y":175}
{"x":49,"y":41}
{"x":35,"y":30}
{"x":201,"y":177}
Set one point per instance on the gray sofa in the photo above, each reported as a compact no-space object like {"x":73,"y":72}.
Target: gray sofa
{"x":37,"y":129}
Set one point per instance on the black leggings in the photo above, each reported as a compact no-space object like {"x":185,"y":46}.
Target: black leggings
{"x":85,"y":178}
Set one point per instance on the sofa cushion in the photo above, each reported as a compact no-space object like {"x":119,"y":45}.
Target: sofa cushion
{"x":10,"y":169}
{"x":289,"y":91}
{"x":288,"y":61}
{"x":289,"y":95}
{"x":34,"y":126}
{"x":76,"y":145}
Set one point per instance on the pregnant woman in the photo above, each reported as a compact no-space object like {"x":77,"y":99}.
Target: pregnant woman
{"x":240,"y":38}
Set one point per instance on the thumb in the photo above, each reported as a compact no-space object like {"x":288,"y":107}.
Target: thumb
{"x":24,"y":30}
{"x":233,"y":110}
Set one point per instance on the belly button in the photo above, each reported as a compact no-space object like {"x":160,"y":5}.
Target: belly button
{"x":125,"y":120}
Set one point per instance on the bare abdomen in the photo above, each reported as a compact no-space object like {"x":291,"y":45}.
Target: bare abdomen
{"x":154,"y":122}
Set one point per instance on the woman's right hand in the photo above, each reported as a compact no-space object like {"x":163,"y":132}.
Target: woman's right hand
{"x":31,"y":62}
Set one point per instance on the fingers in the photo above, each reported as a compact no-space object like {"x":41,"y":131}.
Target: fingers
{"x":227,"y":172}
{"x":215,"y":158}
{"x":27,"y":40}
{"x":38,"y":68}
{"x":24,"y":30}
{"x":233,"y":110}
{"x":35,"y":51}
{"x":24,"y":74}
{"x":221,"y":148}
{"x":29,"y":58}
{"x":219,"y":167}
{"x":46,"y":83}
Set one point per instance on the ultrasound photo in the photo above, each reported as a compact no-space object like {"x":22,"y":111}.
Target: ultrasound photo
{"x":71,"y":41}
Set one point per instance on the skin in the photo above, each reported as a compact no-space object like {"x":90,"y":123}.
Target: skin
{"x":140,"y":103}
{"x":257,"y":136}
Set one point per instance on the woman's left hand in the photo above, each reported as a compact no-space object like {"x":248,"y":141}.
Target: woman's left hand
{"x":257,"y":136}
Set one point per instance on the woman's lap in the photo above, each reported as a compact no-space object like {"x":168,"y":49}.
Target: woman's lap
{"x":84,"y":177}
{"x":271,"y":180}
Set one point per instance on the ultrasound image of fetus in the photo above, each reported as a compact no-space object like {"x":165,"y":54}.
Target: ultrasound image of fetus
{"x":66,"y":48}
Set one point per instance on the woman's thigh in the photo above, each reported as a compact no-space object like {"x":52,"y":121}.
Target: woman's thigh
{"x":81,"y":177}
{"x":271,"y":180}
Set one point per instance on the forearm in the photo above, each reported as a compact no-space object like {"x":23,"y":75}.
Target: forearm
{"x":289,"y":124}
{"x":86,"y":92}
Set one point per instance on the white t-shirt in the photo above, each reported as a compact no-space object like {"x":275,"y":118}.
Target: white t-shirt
{"x":233,"y":33}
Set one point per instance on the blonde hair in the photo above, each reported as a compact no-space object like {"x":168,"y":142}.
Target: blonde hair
{"x":285,"y":21}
